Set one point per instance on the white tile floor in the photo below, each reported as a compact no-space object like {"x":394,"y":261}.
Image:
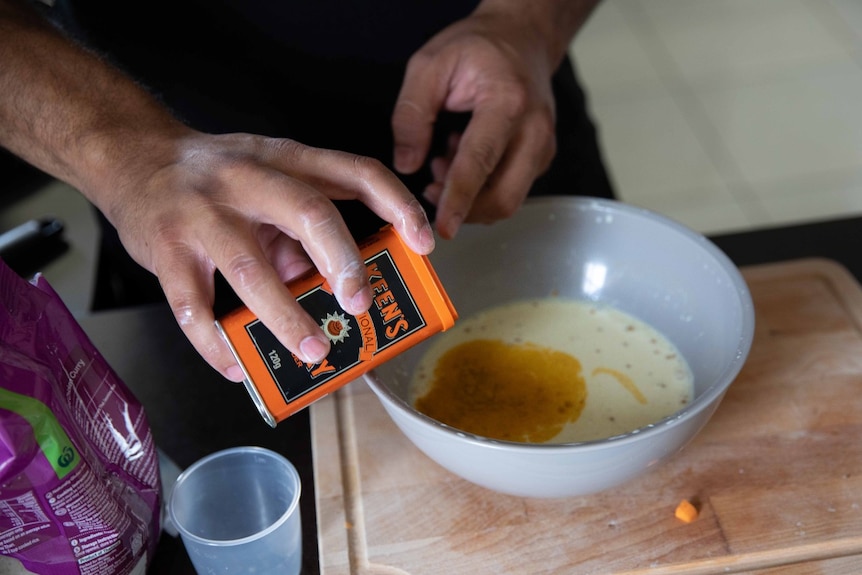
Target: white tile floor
{"x":722,"y":114}
{"x":729,"y":114}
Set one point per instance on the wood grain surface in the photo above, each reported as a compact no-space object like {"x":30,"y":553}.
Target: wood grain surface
{"x":776,"y":474}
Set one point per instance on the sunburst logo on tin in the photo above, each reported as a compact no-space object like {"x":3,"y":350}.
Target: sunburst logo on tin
{"x":335,"y":326}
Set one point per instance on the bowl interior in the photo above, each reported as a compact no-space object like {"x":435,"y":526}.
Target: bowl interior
{"x":602,"y":251}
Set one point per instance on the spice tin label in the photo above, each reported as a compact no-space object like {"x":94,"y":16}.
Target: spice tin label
{"x":393,"y":316}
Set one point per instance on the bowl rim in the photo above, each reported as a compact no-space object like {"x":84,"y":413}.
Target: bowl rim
{"x":709,"y":396}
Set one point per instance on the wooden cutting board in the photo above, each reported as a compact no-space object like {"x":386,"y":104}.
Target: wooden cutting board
{"x":776,"y":473}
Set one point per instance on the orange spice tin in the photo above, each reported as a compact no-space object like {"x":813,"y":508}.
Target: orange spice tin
{"x":409,"y":305}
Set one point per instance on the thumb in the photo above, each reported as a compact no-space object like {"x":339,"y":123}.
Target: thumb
{"x":416,"y":109}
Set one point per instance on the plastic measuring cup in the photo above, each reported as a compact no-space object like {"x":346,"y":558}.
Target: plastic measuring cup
{"x":237,"y":511}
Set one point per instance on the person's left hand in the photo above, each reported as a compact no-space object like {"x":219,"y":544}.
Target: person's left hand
{"x":498,"y":68}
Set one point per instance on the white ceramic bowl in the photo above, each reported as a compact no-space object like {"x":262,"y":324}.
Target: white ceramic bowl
{"x":603,"y":251}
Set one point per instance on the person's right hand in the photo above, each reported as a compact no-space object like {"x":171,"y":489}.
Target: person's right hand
{"x":259,"y":210}
{"x":186,"y":204}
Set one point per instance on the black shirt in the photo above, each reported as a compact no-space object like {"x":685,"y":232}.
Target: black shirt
{"x":324,"y":72}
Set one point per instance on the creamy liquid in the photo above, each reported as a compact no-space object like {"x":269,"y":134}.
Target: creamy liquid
{"x":551,"y":370}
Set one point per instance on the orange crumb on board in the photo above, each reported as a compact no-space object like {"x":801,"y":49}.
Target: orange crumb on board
{"x":685,"y":511}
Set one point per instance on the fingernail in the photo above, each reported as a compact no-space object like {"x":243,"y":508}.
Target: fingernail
{"x":405,"y":159}
{"x":235,"y":374}
{"x":427,"y":239}
{"x":314,"y":349}
{"x":360,"y":301}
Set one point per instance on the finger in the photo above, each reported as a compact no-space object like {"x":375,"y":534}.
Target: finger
{"x":412,"y":129}
{"x":256,"y":282}
{"x":188,"y":287}
{"x":341,"y":175}
{"x":440,"y":165}
{"x":528,"y":156}
{"x":285,"y":253}
{"x":439,"y":169}
{"x":433,"y":192}
{"x":309,"y":217}
{"x":420,"y":99}
{"x":480,"y":150}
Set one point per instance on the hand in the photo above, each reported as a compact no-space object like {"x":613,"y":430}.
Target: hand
{"x":186,"y":204}
{"x":259,"y":210}
{"x":498,"y":67}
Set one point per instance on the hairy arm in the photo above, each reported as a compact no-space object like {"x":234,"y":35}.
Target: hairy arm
{"x":186,"y":203}
{"x":68,"y":112}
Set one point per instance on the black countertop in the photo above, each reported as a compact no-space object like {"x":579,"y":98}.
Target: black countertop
{"x":836,"y":239}
{"x":193,"y":411}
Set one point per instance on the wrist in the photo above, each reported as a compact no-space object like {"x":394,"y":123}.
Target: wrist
{"x":553,"y":23}
{"x":116,"y":164}
{"x":68,"y":112}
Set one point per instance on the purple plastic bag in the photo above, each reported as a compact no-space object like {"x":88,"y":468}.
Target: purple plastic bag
{"x":79,"y":477}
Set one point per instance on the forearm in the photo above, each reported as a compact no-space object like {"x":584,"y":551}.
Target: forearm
{"x":554,"y":22}
{"x":68,"y":112}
